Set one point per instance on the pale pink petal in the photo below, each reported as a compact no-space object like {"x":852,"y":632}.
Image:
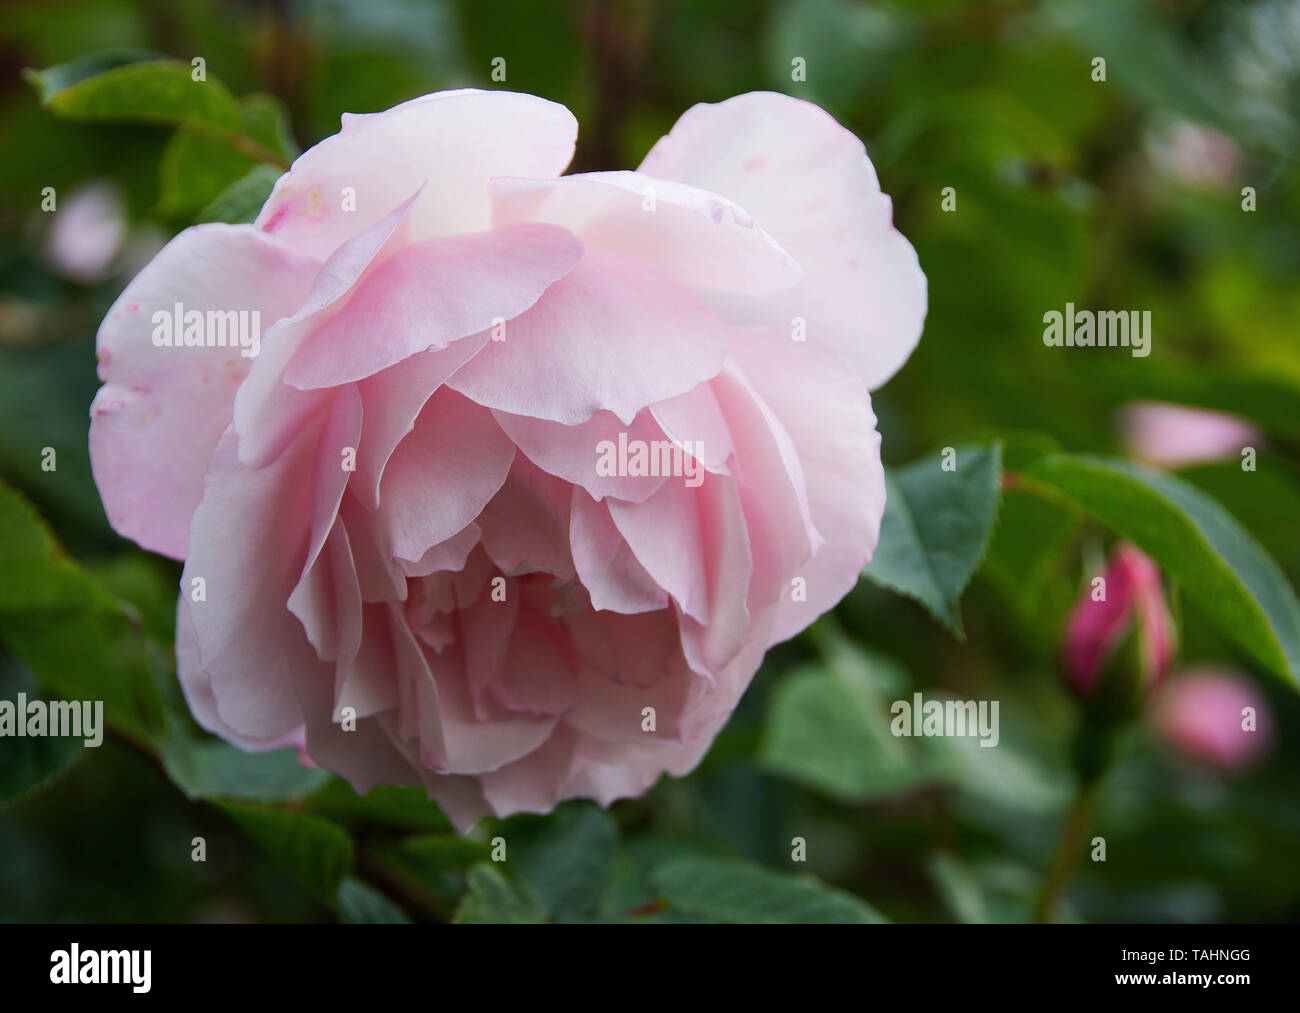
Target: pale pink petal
{"x":156,"y":421}
{"x":828,"y":416}
{"x":247,"y":547}
{"x":1174,"y":436}
{"x":441,"y":475}
{"x":426,"y":296}
{"x":327,"y":599}
{"x":697,"y":237}
{"x":573,"y":452}
{"x":567,"y":357}
{"x":539,"y":673}
{"x":393,"y":398}
{"x":453,"y":141}
{"x":695,"y":421}
{"x":809,"y":183}
{"x":525,"y":526}
{"x":606,"y":564}
{"x":267,"y":411}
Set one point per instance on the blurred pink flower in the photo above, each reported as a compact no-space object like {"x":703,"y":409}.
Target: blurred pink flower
{"x":1216,"y":717}
{"x":1131,"y":600}
{"x":1171,"y":436}
{"x":87,"y":230}
{"x":1193,"y":155}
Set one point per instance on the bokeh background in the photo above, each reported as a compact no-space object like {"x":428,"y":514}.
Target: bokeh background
{"x":1124,"y":193}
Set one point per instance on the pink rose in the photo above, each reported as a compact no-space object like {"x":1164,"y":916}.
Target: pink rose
{"x":1129,"y":603}
{"x":1172,"y":436}
{"x":1215,"y":717}
{"x":87,"y":232}
{"x":524,"y":472}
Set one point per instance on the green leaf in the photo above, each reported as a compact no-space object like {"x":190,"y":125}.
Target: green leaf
{"x":1198,"y":543}
{"x":739,"y":892}
{"x":446,"y":851}
{"x":28,"y":764}
{"x":72,"y":635}
{"x":243,"y":199}
{"x":266,"y":120}
{"x":569,"y":861}
{"x":958,"y":887}
{"x":198,"y":169}
{"x":383,"y":806}
{"x":314,"y":851}
{"x":828,"y":728}
{"x":120,"y":86}
{"x":214,"y":769}
{"x":494,"y":900}
{"x":116,"y":86}
{"x":936,"y":526}
{"x":361,"y":904}
{"x":52,"y":81}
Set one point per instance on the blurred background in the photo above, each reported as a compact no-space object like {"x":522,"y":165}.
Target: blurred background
{"x":1125,"y":193}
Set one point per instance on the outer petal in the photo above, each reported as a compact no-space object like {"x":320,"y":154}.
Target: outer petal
{"x":247,"y":544}
{"x":809,"y":183}
{"x":156,"y":421}
{"x":428,"y":295}
{"x":453,"y":140}
{"x":268,"y":412}
{"x":828,"y":417}
{"x":699,"y":238}
{"x":570,"y":355}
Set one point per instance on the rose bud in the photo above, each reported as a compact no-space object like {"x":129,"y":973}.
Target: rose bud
{"x":1215,"y":717}
{"x":1172,"y":436}
{"x":1120,"y":633}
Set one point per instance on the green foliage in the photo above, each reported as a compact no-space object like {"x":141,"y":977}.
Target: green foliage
{"x":313,"y":851}
{"x":936,"y":527}
{"x":492,"y":898}
{"x":220,"y":141}
{"x":828,"y":727}
{"x":242,"y":199}
{"x":360,"y":904}
{"x":1196,"y":541}
{"x":114,"y":86}
{"x":209,"y":769}
{"x":1059,"y":197}
{"x":32,"y":763}
{"x":74,"y":637}
{"x":732,"y":891}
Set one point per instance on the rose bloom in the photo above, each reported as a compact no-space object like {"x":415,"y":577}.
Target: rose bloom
{"x":529,"y":470}
{"x":1215,"y":717}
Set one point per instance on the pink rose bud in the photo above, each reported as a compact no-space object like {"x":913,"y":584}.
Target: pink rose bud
{"x":1127,"y":601}
{"x":1215,"y":717}
{"x":87,"y":231}
{"x":1171,"y":436}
